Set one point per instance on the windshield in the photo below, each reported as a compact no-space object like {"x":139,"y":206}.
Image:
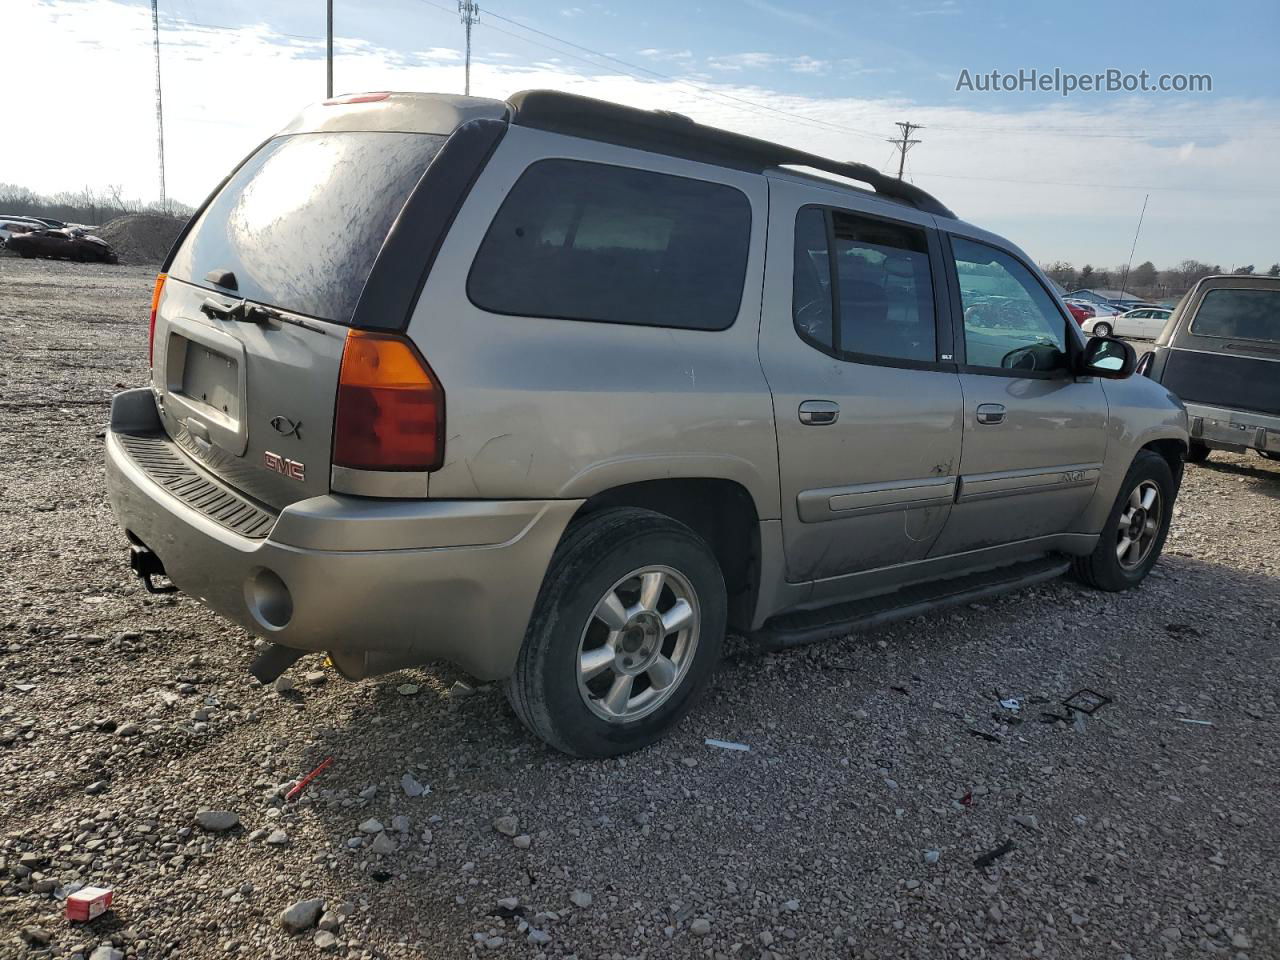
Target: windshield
{"x":300,"y":224}
{"x":1239,"y":315}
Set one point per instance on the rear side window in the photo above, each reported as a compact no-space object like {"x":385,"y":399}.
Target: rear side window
{"x":1239,"y":315}
{"x":882,"y":297}
{"x":302,"y":221}
{"x":588,"y":241}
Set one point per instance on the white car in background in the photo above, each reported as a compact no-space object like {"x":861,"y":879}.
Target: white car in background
{"x":1144,"y":323}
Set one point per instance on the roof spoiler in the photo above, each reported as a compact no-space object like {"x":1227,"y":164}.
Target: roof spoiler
{"x":673,"y":133}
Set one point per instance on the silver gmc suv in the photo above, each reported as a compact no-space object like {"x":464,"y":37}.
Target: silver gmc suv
{"x":560,"y":391}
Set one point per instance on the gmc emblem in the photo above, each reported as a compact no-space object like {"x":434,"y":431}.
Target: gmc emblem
{"x":284,"y":466}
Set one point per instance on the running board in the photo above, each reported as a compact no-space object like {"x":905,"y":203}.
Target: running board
{"x":810,"y":626}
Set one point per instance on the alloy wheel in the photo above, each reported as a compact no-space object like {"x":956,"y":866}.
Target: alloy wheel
{"x":638,"y":644}
{"x":1139,"y":525}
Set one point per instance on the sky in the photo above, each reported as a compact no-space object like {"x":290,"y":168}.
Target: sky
{"x":1063,"y":177}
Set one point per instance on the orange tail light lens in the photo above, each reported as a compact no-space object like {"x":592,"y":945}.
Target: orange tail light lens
{"x":155,"y":305}
{"x":390,"y":410}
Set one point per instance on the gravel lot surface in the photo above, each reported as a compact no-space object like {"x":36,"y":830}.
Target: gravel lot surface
{"x":880,"y":767}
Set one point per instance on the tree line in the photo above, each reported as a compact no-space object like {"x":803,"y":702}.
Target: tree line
{"x":89,"y":206}
{"x":1145,"y":280}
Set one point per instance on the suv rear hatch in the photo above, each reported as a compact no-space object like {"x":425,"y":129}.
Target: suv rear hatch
{"x":252,"y":319}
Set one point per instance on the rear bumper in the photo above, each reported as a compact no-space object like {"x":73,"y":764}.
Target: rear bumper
{"x":1233,"y":429}
{"x":381,"y":583}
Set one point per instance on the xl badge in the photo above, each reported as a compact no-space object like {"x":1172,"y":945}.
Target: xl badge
{"x":283,"y":465}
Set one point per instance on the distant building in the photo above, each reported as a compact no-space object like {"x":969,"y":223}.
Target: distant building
{"x":1116,"y":298}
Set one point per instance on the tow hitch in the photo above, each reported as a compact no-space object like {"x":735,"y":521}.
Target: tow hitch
{"x":147,"y":565}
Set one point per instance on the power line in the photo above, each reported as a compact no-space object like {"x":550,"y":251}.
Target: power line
{"x":469,"y":11}
{"x":1098,"y":186}
{"x":904,"y":143}
{"x":634,"y":70}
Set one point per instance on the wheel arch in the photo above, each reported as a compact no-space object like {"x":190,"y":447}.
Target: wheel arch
{"x":720,"y":511}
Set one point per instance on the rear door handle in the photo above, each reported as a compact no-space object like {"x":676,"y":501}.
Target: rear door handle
{"x":819,"y":413}
{"x":991,"y":413}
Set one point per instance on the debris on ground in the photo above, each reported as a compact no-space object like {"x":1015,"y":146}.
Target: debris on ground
{"x":726,"y":744}
{"x":302,"y":784}
{"x":992,"y":856}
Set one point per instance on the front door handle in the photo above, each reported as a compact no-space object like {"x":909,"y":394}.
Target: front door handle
{"x":991,"y":413}
{"x":819,"y":413}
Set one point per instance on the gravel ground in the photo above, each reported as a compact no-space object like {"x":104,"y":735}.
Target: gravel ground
{"x":880,"y":766}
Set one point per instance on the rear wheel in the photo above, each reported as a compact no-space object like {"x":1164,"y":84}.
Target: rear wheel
{"x":1102,"y":329}
{"x":1197,"y":452}
{"x":1135,"y":530}
{"x":624,"y":637}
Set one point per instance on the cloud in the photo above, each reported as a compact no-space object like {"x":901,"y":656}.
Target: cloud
{"x":1057,"y":179}
{"x":572,"y":12}
{"x":657,"y":53}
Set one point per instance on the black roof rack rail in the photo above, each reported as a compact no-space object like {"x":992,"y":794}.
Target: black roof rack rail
{"x":672,"y":133}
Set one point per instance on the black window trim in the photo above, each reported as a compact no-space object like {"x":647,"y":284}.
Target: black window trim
{"x":746,"y":271}
{"x":957,"y":309}
{"x":941,"y":304}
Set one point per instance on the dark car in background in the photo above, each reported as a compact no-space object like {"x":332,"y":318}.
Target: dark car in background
{"x":1220,"y":352}
{"x":63,"y":244}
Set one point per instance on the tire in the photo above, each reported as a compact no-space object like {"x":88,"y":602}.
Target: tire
{"x":597,"y":558}
{"x":1104,"y":568}
{"x":1269,"y":454}
{"x":1197,"y":452}
{"x":1102,"y":329}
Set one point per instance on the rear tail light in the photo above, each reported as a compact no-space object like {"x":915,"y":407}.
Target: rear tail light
{"x":155,"y":305}
{"x":390,"y":411}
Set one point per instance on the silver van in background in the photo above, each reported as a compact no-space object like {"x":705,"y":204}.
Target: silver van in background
{"x":561,"y":391}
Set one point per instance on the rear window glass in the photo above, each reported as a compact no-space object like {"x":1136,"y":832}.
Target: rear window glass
{"x":302,"y":221}
{"x":1239,"y":315}
{"x":589,"y":241}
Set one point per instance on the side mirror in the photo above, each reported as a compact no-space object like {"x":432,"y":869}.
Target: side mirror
{"x":1107,"y":357}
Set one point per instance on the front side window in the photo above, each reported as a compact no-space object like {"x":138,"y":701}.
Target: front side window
{"x":589,"y":241}
{"x":1239,"y":315}
{"x":1010,"y":321}
{"x":880,"y":304}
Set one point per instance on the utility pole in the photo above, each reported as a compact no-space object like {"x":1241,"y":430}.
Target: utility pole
{"x":155,"y":32}
{"x":328,"y":84}
{"x":904,"y":143}
{"x":469,"y":13}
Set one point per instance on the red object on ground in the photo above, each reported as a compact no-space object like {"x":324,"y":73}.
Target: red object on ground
{"x":89,"y":902}
{"x":302,"y":784}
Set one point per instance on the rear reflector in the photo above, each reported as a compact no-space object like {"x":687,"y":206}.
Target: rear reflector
{"x":390,"y":411}
{"x":155,"y":305}
{"x":356,"y":98}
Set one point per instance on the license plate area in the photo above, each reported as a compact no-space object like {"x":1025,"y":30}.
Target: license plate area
{"x":204,"y":385}
{"x":209,"y":378}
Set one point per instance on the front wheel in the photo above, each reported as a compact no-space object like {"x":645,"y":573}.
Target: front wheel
{"x":1102,"y":329}
{"x":1135,"y":530}
{"x":1270,"y":454}
{"x":624,"y":636}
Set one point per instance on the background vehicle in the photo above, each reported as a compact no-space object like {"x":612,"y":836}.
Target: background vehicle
{"x":1080,"y":311}
{"x":576,"y":387}
{"x":9,"y":226}
{"x":1144,"y":323}
{"x":1220,"y":352}
{"x":63,"y":244}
